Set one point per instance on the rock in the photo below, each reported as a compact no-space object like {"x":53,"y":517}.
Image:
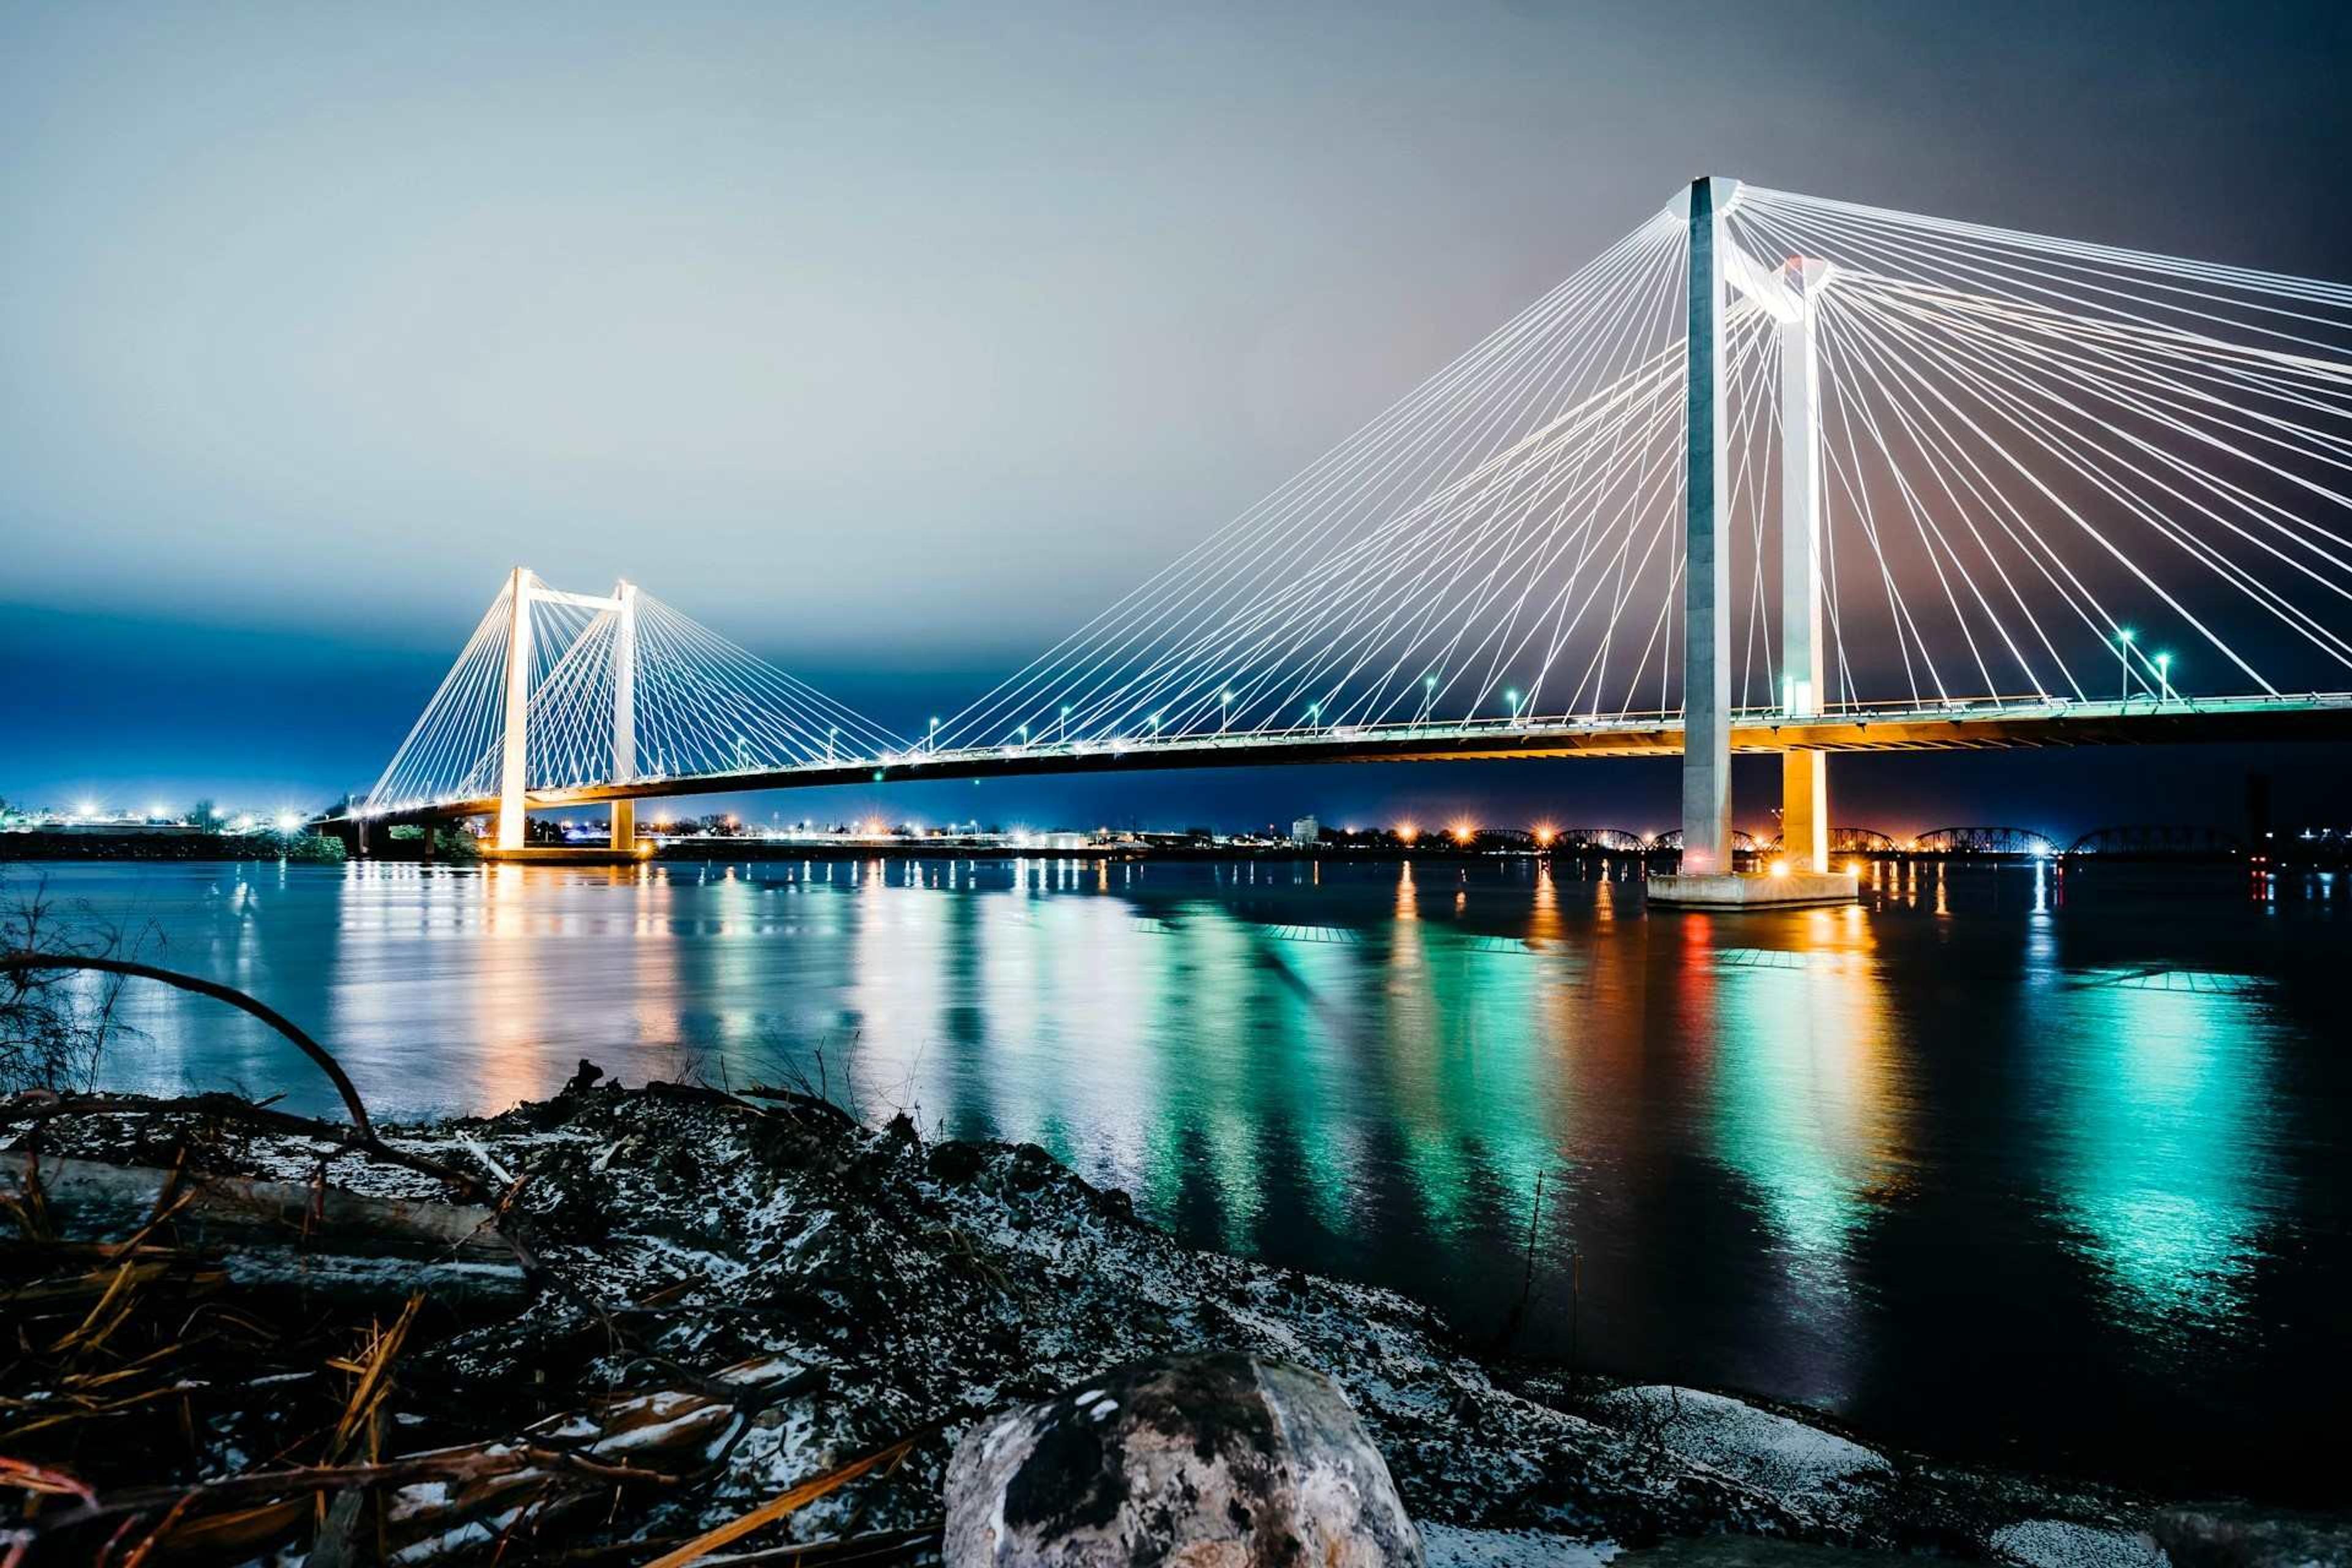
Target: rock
{"x":1788,"y":1459}
{"x":1207,"y":1461}
{"x":2227,"y":1535}
{"x":2056,"y":1543}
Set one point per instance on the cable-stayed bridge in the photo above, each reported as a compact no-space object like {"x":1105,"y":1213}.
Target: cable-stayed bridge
{"x":1772,"y":473}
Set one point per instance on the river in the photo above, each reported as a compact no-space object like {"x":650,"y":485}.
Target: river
{"x":2036,"y":1166}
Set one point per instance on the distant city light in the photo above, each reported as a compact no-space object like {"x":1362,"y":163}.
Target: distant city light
{"x":1465,"y":830}
{"x":86,"y":808}
{"x":288,"y":822}
{"x":1407,"y":832}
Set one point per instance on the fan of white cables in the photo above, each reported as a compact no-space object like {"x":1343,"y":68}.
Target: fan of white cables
{"x":697,"y":706}
{"x":2063,"y":469}
{"x":1498,"y":543}
{"x":2050,"y":470}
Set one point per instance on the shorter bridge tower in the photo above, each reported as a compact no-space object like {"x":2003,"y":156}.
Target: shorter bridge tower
{"x":523,"y":590}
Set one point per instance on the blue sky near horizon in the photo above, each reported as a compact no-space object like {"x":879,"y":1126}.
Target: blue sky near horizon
{"x":893,"y":341}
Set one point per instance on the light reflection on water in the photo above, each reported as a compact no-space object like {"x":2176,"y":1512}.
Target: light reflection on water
{"x":1955,"y":1162}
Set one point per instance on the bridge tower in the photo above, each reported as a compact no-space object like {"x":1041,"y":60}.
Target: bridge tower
{"x":1804,"y":774}
{"x":625,"y":711}
{"x":1706,"y":563}
{"x":1787,"y":296}
{"x":514,"y":756}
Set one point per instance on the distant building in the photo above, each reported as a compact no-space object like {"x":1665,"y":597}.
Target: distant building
{"x":1306,"y":830}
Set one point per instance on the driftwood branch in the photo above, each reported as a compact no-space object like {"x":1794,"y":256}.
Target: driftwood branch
{"x":35,"y":962}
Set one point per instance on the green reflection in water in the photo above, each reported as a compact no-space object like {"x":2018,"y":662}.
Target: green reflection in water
{"x":1805,"y":1106}
{"x":2164,"y":1122}
{"x":1474,"y":1049}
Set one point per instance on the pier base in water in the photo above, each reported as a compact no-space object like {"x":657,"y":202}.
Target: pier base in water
{"x":1753,"y":892}
{"x":574,"y":855}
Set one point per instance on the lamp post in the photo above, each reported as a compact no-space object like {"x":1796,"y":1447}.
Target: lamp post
{"x":1314,"y":714}
{"x":831,"y":734}
{"x":1428,"y":696}
{"x":1065,"y":723}
{"x":932,"y":736}
{"x":2123,"y":645}
{"x":2164,"y":678}
{"x":1224,"y":709}
{"x":1511,"y":700}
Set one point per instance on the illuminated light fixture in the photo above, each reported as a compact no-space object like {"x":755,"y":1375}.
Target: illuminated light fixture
{"x":1465,"y":831}
{"x":1779,"y":868}
{"x":86,"y":808}
{"x":1545,"y":835}
{"x":288,"y":822}
{"x":1407,"y":832}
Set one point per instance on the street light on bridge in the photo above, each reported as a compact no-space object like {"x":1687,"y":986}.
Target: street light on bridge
{"x":2164,"y":676}
{"x":2123,"y":645}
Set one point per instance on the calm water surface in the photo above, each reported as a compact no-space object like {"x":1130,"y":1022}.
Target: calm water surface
{"x":2005,"y":1163}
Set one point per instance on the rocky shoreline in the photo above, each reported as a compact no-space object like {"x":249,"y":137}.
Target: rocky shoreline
{"x":653,"y":1311}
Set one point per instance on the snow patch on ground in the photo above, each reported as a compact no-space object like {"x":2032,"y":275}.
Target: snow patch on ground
{"x":1452,"y":1546}
{"x":2055,"y":1543}
{"x":1772,"y":1453}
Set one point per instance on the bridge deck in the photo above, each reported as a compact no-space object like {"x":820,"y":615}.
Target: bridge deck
{"x":1983,"y":726}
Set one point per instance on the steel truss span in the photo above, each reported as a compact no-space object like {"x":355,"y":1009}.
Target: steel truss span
{"x":1923,"y":484}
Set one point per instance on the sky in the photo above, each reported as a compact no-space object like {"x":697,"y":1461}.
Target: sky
{"x":895,"y":340}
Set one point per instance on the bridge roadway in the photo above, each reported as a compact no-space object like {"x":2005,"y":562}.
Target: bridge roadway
{"x":1978,"y":725}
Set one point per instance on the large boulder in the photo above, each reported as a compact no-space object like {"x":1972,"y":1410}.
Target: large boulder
{"x":1198,"y":1461}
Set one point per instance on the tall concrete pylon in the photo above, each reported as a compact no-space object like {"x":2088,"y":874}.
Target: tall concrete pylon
{"x":1787,"y":296}
{"x":1706,"y":549}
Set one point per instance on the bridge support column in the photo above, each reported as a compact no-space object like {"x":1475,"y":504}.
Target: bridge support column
{"x":1804,"y":775}
{"x":1706,"y":573}
{"x":1805,"y":810}
{"x":514,"y":758}
{"x":624,"y":714}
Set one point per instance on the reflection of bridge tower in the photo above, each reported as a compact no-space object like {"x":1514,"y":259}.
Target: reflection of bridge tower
{"x":1787,"y":295}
